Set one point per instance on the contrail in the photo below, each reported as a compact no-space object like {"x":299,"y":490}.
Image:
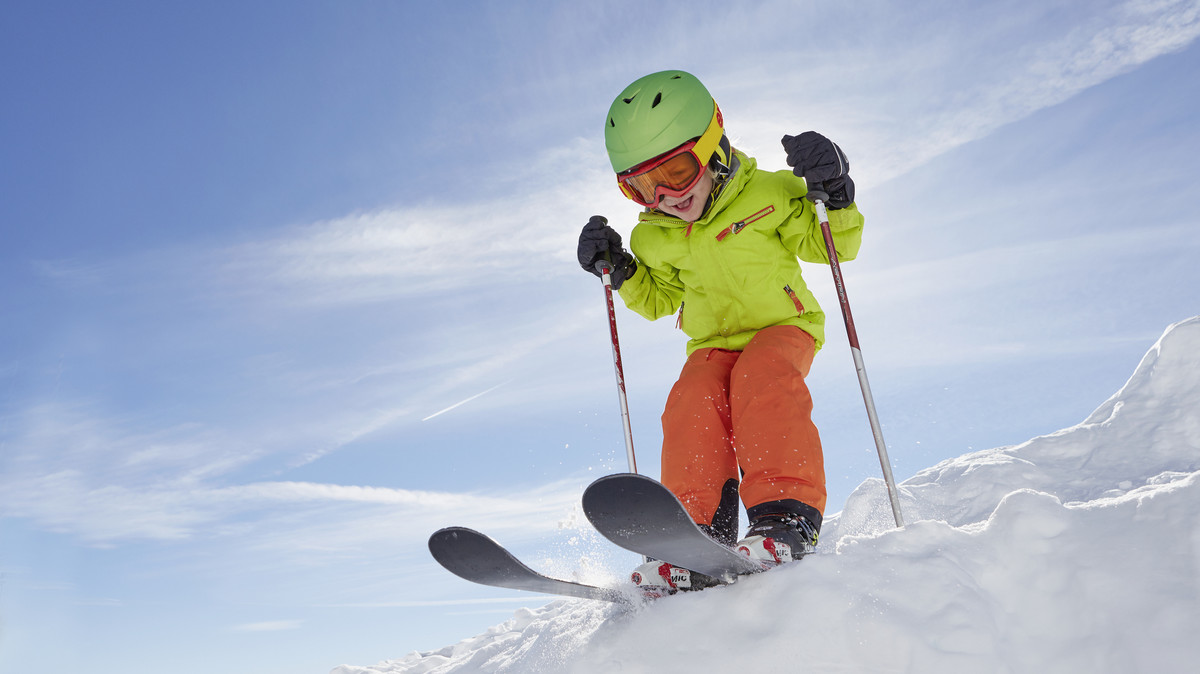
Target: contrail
{"x":464,"y":402}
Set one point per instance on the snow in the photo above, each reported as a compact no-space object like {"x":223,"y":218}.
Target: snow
{"x":1077,"y":551}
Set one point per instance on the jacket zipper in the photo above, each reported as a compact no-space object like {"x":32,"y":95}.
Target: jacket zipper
{"x":739,"y":226}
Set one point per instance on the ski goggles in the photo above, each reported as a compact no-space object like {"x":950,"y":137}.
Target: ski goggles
{"x":674,"y":173}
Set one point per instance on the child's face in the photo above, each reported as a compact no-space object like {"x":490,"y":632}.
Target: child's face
{"x":690,"y":206}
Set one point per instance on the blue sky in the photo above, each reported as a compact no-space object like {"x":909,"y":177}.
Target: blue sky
{"x":288,"y":286}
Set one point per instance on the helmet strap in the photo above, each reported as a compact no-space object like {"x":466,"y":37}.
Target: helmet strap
{"x":722,"y":159}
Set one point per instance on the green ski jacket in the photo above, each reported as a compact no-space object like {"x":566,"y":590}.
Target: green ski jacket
{"x":734,"y":271}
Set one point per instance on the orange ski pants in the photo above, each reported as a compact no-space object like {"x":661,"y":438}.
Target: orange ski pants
{"x":750,"y":411}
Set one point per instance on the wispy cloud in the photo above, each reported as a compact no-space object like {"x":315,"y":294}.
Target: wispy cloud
{"x":86,"y":476}
{"x":408,"y":250}
{"x":270,"y":626}
{"x":896,"y":104}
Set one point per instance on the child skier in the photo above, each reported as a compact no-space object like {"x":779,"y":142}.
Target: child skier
{"x":718,"y":243}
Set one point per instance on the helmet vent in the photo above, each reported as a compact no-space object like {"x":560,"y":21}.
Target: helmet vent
{"x":657,"y":100}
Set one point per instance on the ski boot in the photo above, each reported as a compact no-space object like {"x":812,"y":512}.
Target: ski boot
{"x":775,"y":539}
{"x":656,"y":579}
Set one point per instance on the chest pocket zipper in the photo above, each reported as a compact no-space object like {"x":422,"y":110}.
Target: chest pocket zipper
{"x":739,"y":226}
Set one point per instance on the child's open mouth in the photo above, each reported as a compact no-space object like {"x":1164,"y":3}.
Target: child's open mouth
{"x":683,"y":205}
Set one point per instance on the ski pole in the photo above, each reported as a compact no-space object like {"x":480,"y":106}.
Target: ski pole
{"x":818,"y":198}
{"x":605,"y":268}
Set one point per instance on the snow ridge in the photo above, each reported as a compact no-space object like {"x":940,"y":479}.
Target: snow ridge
{"x":1077,"y":551}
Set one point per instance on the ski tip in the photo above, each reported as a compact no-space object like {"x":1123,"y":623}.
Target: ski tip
{"x":631,"y":485}
{"x":446,"y":536}
{"x":449,"y":532}
{"x":623,"y":476}
{"x":624,"y":481}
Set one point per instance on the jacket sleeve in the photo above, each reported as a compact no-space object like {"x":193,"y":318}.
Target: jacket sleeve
{"x":802,"y":233}
{"x":652,"y":292}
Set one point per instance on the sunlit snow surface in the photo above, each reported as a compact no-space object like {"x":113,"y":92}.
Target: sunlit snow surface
{"x":1073,"y":552}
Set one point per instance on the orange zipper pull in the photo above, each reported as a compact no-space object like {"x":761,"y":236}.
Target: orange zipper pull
{"x":795,"y":300}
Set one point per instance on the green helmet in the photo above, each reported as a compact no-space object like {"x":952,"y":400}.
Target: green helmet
{"x":657,"y":114}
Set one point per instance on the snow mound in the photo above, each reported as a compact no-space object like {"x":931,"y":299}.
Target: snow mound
{"x":1077,"y":551}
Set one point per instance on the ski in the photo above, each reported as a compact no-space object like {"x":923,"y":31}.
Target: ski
{"x":640,"y":514}
{"x":473,"y":556}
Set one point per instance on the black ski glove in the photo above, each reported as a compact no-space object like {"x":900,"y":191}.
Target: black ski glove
{"x":599,"y":242}
{"x":823,"y":166}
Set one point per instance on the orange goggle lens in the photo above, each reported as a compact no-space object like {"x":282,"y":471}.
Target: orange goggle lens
{"x":672,"y":175}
